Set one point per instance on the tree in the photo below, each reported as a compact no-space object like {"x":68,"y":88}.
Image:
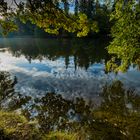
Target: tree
{"x":76,"y":7}
{"x":125,"y":46}
{"x":48,"y":15}
{"x":52,"y":17}
{"x":6,"y":18}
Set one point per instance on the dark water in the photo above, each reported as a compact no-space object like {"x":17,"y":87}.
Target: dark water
{"x":62,"y":83}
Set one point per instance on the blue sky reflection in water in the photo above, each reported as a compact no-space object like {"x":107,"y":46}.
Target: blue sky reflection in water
{"x":46,"y":65}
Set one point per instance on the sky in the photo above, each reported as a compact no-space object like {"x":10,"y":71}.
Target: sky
{"x":12,"y":4}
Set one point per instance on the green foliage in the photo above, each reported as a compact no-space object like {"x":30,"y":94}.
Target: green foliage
{"x":85,"y":26}
{"x":62,"y":136}
{"x":79,"y":24}
{"x":89,"y":16}
{"x":15,"y":127}
{"x":126,"y":36}
{"x":7,"y":26}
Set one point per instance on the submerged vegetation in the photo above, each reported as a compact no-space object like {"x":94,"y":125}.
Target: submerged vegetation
{"x":117,"y":116}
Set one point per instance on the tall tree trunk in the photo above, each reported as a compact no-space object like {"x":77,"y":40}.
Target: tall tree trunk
{"x":76,"y":7}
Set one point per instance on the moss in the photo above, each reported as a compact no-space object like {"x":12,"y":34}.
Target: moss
{"x":14,"y":126}
{"x":62,"y":136}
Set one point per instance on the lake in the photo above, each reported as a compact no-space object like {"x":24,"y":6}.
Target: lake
{"x":62,"y":84}
{"x":72,"y":67}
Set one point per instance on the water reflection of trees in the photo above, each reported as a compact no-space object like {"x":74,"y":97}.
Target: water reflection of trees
{"x":117,"y":117}
{"x":9,"y":98}
{"x":84,"y":52}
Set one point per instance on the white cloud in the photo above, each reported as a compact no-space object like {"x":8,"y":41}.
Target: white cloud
{"x":49,"y":75}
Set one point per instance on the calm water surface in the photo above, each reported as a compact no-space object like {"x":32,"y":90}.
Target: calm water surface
{"x":72,"y":67}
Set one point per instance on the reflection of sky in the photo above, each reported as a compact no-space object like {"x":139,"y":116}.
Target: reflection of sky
{"x":37,"y":77}
{"x":34,"y":66}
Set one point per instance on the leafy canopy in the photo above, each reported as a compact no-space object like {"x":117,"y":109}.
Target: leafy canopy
{"x":125,"y":46}
{"x":48,"y":15}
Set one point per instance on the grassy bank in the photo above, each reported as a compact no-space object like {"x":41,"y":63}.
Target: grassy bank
{"x":16,"y":127}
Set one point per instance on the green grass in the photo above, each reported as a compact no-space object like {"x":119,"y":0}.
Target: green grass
{"x":62,"y":136}
{"x":16,"y":127}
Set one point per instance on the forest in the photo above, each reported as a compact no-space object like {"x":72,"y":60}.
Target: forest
{"x":83,"y":18}
{"x":53,"y":117}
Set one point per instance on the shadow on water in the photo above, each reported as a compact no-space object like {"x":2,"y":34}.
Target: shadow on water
{"x":116,"y":118}
{"x":84,"y":52}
